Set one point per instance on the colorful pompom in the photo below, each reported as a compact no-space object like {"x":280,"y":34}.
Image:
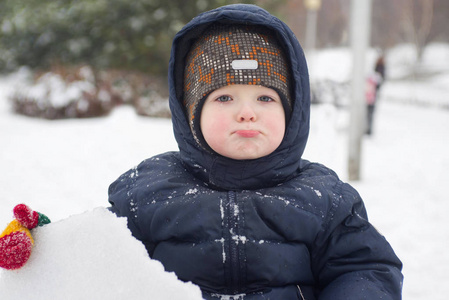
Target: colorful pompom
{"x":26,"y":216}
{"x":16,"y":241}
{"x":15,"y":249}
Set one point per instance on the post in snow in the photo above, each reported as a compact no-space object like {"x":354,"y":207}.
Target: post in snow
{"x":360,"y":36}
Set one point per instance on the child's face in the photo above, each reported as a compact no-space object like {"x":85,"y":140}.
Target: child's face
{"x":243,"y":121}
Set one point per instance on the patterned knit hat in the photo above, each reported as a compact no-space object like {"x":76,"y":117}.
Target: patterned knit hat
{"x":233,"y":54}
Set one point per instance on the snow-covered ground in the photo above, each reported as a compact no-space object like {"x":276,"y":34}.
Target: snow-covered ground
{"x":63,"y":168}
{"x":92,"y":256}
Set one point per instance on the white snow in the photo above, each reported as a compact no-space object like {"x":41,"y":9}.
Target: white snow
{"x":63,"y":169}
{"x":191,"y":192}
{"x":92,"y":256}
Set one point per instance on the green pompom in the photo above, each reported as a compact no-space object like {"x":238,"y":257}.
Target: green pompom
{"x":43,"y":219}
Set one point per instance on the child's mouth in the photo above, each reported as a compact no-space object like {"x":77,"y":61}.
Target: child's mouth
{"x":247,"y":133}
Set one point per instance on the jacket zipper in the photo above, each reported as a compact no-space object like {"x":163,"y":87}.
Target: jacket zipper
{"x":233,"y":243}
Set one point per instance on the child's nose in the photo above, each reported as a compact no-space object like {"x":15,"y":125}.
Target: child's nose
{"x":246,"y":113}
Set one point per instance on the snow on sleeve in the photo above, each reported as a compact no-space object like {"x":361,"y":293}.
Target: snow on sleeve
{"x":91,"y":256}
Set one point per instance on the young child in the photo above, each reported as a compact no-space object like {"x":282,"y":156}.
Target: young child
{"x":237,"y":210}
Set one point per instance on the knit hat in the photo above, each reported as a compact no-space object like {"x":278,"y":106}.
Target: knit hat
{"x":227,"y":54}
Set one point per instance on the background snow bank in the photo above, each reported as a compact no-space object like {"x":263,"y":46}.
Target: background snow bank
{"x":91,"y":256}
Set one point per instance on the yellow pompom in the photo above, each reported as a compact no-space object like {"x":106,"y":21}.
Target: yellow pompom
{"x":16,"y":226}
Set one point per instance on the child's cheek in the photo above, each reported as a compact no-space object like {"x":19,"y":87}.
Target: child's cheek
{"x":218,"y":131}
{"x":276,"y":126}
{"x":220,"y":125}
{"x":215,"y":131}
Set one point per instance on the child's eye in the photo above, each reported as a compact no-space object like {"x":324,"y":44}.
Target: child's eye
{"x":265,"y":99}
{"x":224,"y":98}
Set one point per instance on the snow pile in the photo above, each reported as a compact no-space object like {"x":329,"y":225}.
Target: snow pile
{"x":91,"y":256}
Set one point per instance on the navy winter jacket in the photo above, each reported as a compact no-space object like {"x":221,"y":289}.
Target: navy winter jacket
{"x":277,"y":227}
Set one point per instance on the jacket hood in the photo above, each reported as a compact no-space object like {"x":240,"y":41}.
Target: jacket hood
{"x":222,"y":172}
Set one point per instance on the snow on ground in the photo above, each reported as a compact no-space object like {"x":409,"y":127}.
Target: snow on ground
{"x":92,"y":256}
{"x":64,"y":167}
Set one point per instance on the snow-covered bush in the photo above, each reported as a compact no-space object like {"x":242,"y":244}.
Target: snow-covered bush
{"x":82,"y":92}
{"x":330,"y":92}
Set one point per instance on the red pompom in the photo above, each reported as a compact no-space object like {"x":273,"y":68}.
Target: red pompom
{"x":15,"y":250}
{"x":26,"y":216}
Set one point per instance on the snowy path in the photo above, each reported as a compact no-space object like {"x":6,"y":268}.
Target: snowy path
{"x":405,"y":190}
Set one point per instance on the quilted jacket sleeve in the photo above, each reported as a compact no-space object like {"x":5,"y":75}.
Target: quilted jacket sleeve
{"x":121,"y":200}
{"x":352,"y":259}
